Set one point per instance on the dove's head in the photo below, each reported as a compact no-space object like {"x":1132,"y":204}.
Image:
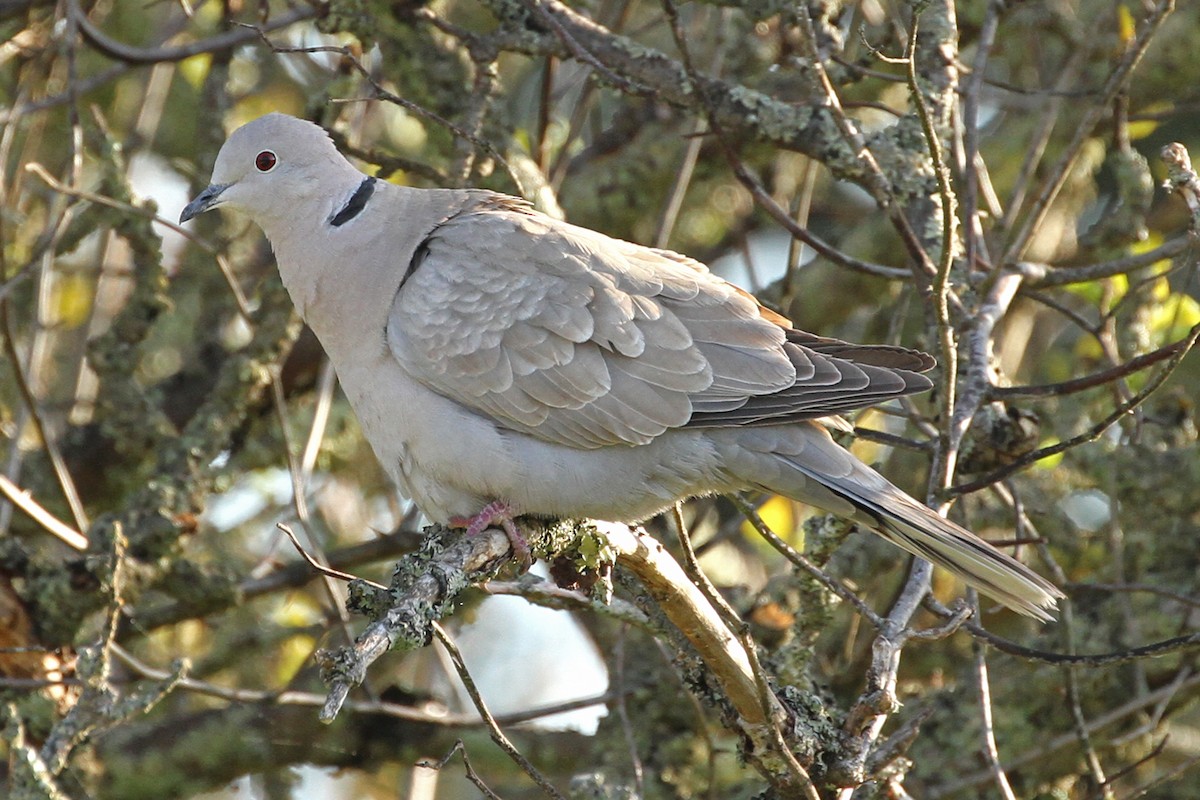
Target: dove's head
{"x":272,"y":167}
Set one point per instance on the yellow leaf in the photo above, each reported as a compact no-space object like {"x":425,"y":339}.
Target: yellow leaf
{"x":779,"y":515}
{"x":293,"y":655}
{"x":195,"y":69}
{"x":71,"y":301}
{"x":1095,"y":291}
{"x":1126,"y":26}
{"x":1140,"y":129}
{"x":1050,"y":462}
{"x":1088,"y":348}
{"x":1173,"y":316}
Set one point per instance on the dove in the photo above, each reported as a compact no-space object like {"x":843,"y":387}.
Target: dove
{"x":504,"y":363}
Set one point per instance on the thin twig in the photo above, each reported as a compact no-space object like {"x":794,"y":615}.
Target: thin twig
{"x":472,"y":776}
{"x":291,"y":697}
{"x":1096,"y":379}
{"x":493,"y":727}
{"x":876,"y":181}
{"x":318,"y":566}
{"x":65,"y":482}
{"x":300,"y":503}
{"x":1055,"y":275}
{"x":381,"y":93}
{"x":798,"y":559}
{"x":1092,"y":433}
{"x":1044,"y":749}
{"x":1116,"y":82}
{"x":970,"y":122}
{"x":157,"y":55}
{"x":583,"y":55}
{"x":1185,"y":643}
{"x":766,"y":696}
{"x":23,"y":500}
{"x":239,"y":296}
{"x":1165,"y":778}
{"x":635,"y":759}
{"x":984,"y":695}
{"x":760,"y":194}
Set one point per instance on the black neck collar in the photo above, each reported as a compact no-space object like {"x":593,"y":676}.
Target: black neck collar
{"x":356,"y":203}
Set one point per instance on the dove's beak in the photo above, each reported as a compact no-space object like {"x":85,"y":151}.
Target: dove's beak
{"x":207,"y":199}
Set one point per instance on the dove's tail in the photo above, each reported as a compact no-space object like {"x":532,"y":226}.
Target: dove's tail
{"x":914,"y":527}
{"x":917,"y":529}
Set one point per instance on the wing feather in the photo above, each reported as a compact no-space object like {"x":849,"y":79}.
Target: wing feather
{"x":587,"y":341}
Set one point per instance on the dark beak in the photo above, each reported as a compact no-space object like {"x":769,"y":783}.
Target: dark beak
{"x":207,"y":199}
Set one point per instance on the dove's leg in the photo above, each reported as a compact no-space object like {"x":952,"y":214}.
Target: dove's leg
{"x":501,"y":512}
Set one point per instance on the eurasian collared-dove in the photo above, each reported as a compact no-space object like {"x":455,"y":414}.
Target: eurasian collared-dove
{"x":504,"y":363}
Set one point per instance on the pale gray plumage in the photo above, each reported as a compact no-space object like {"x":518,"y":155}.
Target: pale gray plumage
{"x":493,"y":353}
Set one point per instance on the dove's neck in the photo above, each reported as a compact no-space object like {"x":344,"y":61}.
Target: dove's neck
{"x":343,"y":278}
{"x":309,"y":204}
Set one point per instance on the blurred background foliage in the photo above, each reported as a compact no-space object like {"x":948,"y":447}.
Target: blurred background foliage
{"x":147,"y":406}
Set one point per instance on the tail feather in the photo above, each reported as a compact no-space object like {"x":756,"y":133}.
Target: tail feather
{"x":903,"y":521}
{"x":923,"y":533}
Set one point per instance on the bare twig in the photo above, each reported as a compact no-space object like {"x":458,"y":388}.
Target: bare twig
{"x":1058,"y":176}
{"x":1092,"y":433}
{"x":766,"y":696}
{"x":472,"y":776}
{"x":300,"y":504}
{"x":1101,"y":378}
{"x":321,"y":568}
{"x":380,"y":93}
{"x":65,"y":482}
{"x":798,"y":559}
{"x":475,"y":114}
{"x":493,"y":727}
{"x":1161,"y":780}
{"x":635,"y":759}
{"x":23,"y":500}
{"x":984,"y":694}
{"x":239,"y":296}
{"x":158,"y":55}
{"x":972,"y":230}
{"x":292,"y":697}
{"x":580,"y":52}
{"x":81,"y":87}
{"x":875,"y":180}
{"x":1046,"y":748}
{"x":1175,"y":644}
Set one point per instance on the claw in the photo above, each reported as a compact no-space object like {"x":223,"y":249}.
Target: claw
{"x":500,"y":512}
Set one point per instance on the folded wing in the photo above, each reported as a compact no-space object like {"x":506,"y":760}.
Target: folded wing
{"x":587,"y":341}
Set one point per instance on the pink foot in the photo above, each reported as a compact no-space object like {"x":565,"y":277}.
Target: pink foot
{"x":501,"y":512}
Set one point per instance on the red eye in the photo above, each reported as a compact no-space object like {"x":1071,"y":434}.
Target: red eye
{"x":265,"y":161}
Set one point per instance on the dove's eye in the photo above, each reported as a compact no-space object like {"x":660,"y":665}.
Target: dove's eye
{"x":265,"y":161}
